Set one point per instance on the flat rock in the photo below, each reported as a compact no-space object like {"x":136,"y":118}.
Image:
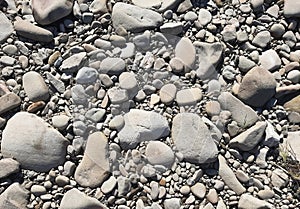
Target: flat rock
{"x":8,"y":102}
{"x":99,"y":7}
{"x":35,"y":87}
{"x":158,"y":153}
{"x":46,"y":12}
{"x":173,"y":203}
{"x":248,"y":139}
{"x":112,"y":66}
{"x":109,"y":185}
{"x":141,"y":125}
{"x":186,"y":52}
{"x":160,"y":5}
{"x":229,"y":177}
{"x":134,"y":18}
{"x":247,"y":201}
{"x":86,"y":75}
{"x":244,"y":115}
{"x":257,"y":88}
{"x":293,"y":143}
{"x":6,"y":28}
{"x":167,"y":93}
{"x":82,"y":201}
{"x":73,"y":63}
{"x":193,"y":139}
{"x":270,"y":60}
{"x":188,"y":96}
{"x":34,"y":144}
{"x":293,"y":104}
{"x":8,"y":166}
{"x":291,"y":8}
{"x":209,"y":57}
{"x":14,"y":197}
{"x":94,"y":167}
{"x":31,"y":31}
{"x":173,"y":28}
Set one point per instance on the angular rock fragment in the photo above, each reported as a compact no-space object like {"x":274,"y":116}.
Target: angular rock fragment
{"x":186,"y":52}
{"x":158,"y":153}
{"x":8,"y":102}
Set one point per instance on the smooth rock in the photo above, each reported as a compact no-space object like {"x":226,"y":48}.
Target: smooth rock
{"x":112,"y":66}
{"x":94,"y":167}
{"x":188,"y":96}
{"x":8,"y":102}
{"x":291,"y":8}
{"x":257,"y":88}
{"x":244,"y":115}
{"x":160,"y":5}
{"x":199,"y":190}
{"x":173,"y":203}
{"x":8,"y":166}
{"x":167,"y":93}
{"x":193,"y":139}
{"x":34,"y":144}
{"x":129,"y":82}
{"x":229,"y":177}
{"x":134,"y":18}
{"x":124,"y":186}
{"x":82,"y":201}
{"x":35,"y":87}
{"x":186,"y":52}
{"x":6,"y":28}
{"x":247,"y":201}
{"x":73,"y":63}
{"x":14,"y":197}
{"x":38,"y":190}
{"x":270,"y":60}
{"x":31,"y":31}
{"x":172,"y":28}
{"x":98,"y":7}
{"x":141,"y":125}
{"x":245,"y":64}
{"x":60,"y":121}
{"x":292,"y":143}
{"x":109,"y":185}
{"x":229,"y":33}
{"x":86,"y":75}
{"x":262,"y":39}
{"x":158,"y":153}
{"x":204,"y":17}
{"x":46,"y":12}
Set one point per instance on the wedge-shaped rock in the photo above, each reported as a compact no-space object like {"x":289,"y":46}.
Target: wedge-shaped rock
{"x":8,"y":102}
{"x":229,"y":177}
{"x":291,"y":8}
{"x":193,"y":139}
{"x":247,"y":201}
{"x":186,"y":52}
{"x":141,"y":125}
{"x":250,"y":138}
{"x":94,"y":167}
{"x":134,"y":18}
{"x":14,"y":197}
{"x":33,"y":142}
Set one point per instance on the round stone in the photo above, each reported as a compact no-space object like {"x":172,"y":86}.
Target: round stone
{"x":158,"y":153}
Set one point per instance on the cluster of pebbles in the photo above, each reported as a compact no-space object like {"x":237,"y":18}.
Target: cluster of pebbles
{"x":149,"y":104}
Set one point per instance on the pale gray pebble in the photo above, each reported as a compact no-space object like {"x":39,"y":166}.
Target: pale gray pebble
{"x":204,"y":17}
{"x":106,"y":80}
{"x":173,"y":203}
{"x":38,"y":190}
{"x":112,"y":66}
{"x":95,"y":114}
{"x":7,"y":60}
{"x":212,"y":196}
{"x":60,"y":121}
{"x":158,"y":153}
{"x":109,"y":185}
{"x":190,"y":16}
{"x":69,"y":168}
{"x":172,"y":28}
{"x":248,"y":201}
{"x":86,"y":75}
{"x":277,"y":30}
{"x":10,"y":49}
{"x":262,"y":39}
{"x":294,"y":76}
{"x":14,"y":196}
{"x":199,"y":190}
{"x":78,"y":95}
{"x":245,"y":64}
{"x":229,"y":73}
{"x":8,"y":166}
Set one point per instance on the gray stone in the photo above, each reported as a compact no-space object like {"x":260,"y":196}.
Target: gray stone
{"x":266,"y":194}
{"x":34,"y":144}
{"x":14,"y":197}
{"x":6,"y":28}
{"x":35,"y":87}
{"x":46,"y":12}
{"x":7,"y":61}
{"x":270,"y":60}
{"x":199,"y":190}
{"x":167,"y":93}
{"x":8,"y":102}
{"x":60,"y":121}
{"x":94,"y":167}
{"x":141,"y":125}
{"x":257,"y":88}
{"x":279,"y":178}
{"x":31,"y":31}
{"x":82,"y":201}
{"x":56,"y":83}
{"x":86,"y":75}
{"x":193,"y":139}
{"x":158,"y":153}
{"x":128,"y":82}
{"x":204,"y":17}
{"x":99,"y":7}
{"x":292,"y":144}
{"x":209,"y":58}
{"x":73,"y":63}
{"x":294,"y":76}
{"x":291,"y":8}
{"x":124,"y":186}
{"x":172,"y":28}
{"x":277,"y":30}
{"x":262,"y":39}
{"x":38,"y":190}
{"x":109,"y":185}
{"x":134,"y":18}
{"x":160,"y":5}
{"x":229,"y":177}
{"x":186,"y":52}
{"x":117,"y":96}
{"x":95,"y":114}
{"x":173,"y":203}
{"x":245,"y":64}
{"x":78,"y":95}
{"x":112,"y":66}
{"x":188,"y":96}
{"x":247,"y":201}
{"x":229,"y":33}
{"x":244,"y":115}
{"x":248,"y":139}
{"x":8,"y":166}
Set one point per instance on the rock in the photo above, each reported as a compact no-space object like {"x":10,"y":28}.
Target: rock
{"x":31,"y":31}
{"x":279,"y":178}
{"x":188,"y":96}
{"x":186,"y":52}
{"x":229,"y":178}
{"x":270,"y":60}
{"x":248,"y":139}
{"x":78,"y":95}
{"x":86,"y":75}
{"x":213,"y":108}
{"x":247,"y":201}
{"x":176,"y":65}
{"x":292,"y":144}
{"x":277,"y":30}
{"x":7,"y":61}
{"x":257,"y":88}
{"x":141,"y":125}
{"x":241,"y":113}
{"x":8,"y":166}
{"x":133,"y":18}
{"x":212,"y":196}
{"x":109,"y":185}
{"x":35,"y":87}
{"x":245,"y":64}
{"x":229,"y":33}
{"x":60,"y":121}
{"x":112,"y":66}
{"x":204,"y":17}
{"x":47,"y":12}
{"x":293,"y":104}
{"x":262,"y":39}
{"x":158,"y":153}
{"x":293,"y":76}
{"x":173,"y":203}
{"x":34,"y":144}
{"x":117,"y":96}
{"x":257,"y":5}
{"x":172,"y":28}
{"x":6,"y":28}
{"x":8,"y":102}
{"x":95,"y":114}
{"x":14,"y":197}
{"x":56,"y":83}
{"x":73,"y":63}
{"x":167,"y":93}
{"x":99,"y":7}
{"x":160,"y":5}
{"x":209,"y":58}
{"x":94,"y":167}
{"x":199,"y":190}
{"x":128,"y":82}
{"x":82,"y":201}
{"x":193,"y":139}
{"x":291,"y":8}
{"x":38,"y":190}
{"x":124,"y":186}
